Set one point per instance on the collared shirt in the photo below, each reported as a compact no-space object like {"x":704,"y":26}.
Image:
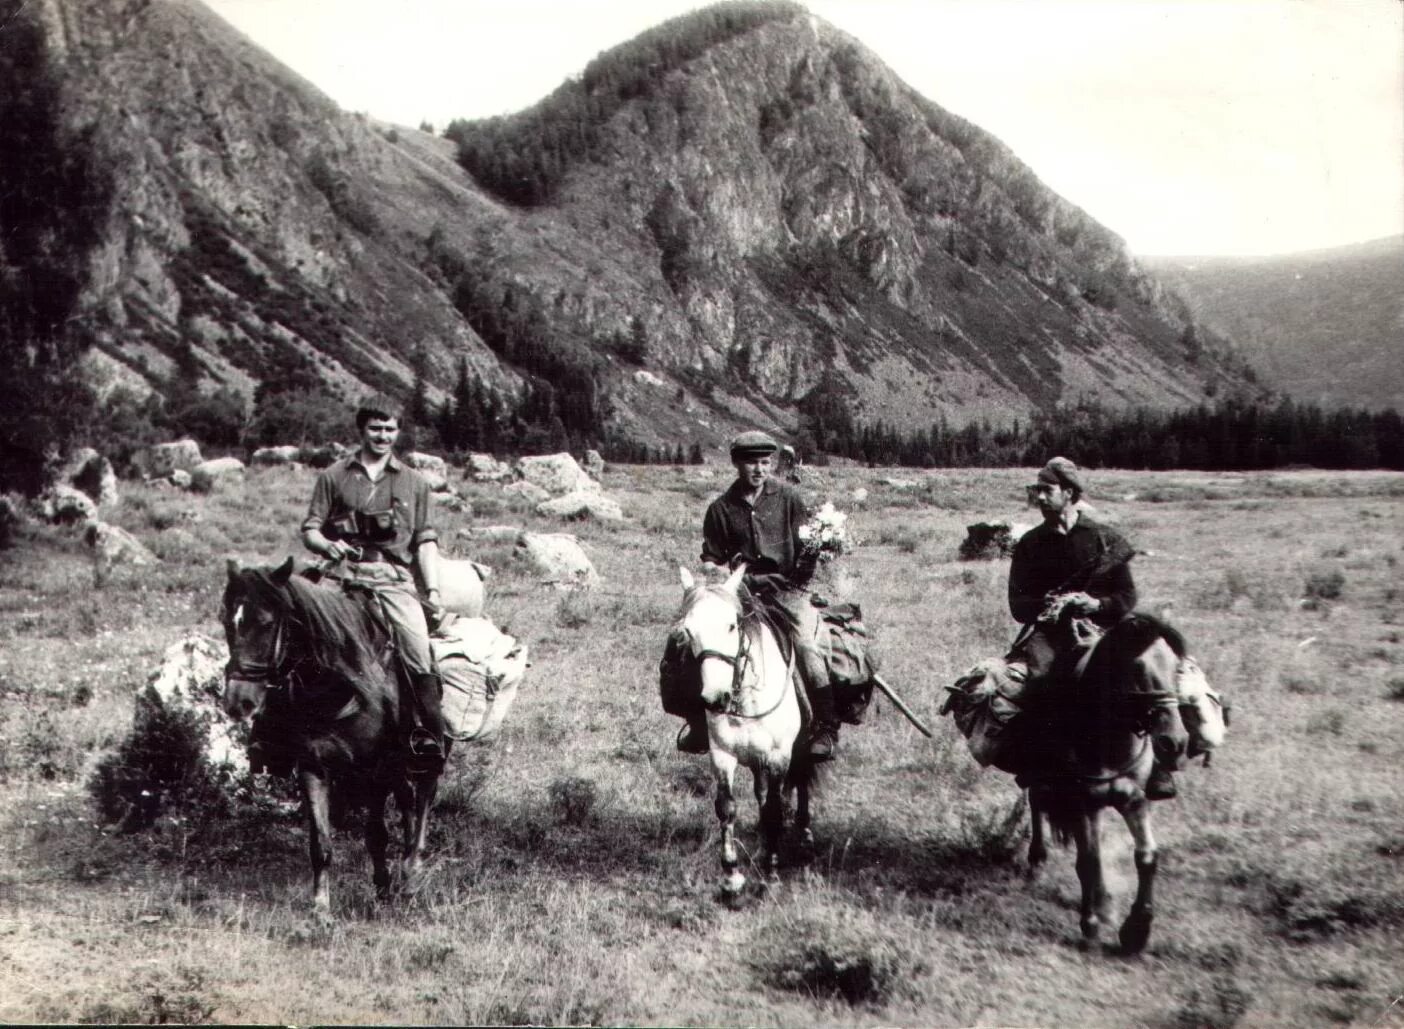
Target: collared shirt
{"x":1090,"y":557}
{"x":346,"y":489}
{"x":763,"y":535}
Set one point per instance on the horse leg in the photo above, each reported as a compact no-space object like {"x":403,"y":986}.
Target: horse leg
{"x":412,"y":862}
{"x":772,"y":819}
{"x":1135,"y":931}
{"x":316,"y":796}
{"x":1038,"y":830}
{"x":804,"y":838}
{"x":724,"y":767}
{"x":378,"y":840}
{"x":1087,"y":836}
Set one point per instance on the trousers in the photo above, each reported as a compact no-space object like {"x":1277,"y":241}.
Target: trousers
{"x":393,"y":586}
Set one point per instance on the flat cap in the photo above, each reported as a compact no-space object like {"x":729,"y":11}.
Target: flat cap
{"x":1061,"y":472}
{"x":753,"y":444}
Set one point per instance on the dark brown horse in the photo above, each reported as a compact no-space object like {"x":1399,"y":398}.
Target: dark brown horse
{"x":314,"y":668}
{"x":1090,"y":746}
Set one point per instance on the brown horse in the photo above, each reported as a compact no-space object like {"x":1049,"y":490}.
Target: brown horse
{"x":1091,"y":747}
{"x":314,"y":668}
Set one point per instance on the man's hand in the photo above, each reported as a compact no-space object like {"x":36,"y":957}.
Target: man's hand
{"x":435,"y":606}
{"x":338,"y":550}
{"x":1081,"y":603}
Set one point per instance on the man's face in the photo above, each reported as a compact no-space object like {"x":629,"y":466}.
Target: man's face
{"x":753,"y":470}
{"x":378,"y":436}
{"x":1050,"y":499}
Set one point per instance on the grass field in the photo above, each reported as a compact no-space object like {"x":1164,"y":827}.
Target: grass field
{"x":574,"y":865}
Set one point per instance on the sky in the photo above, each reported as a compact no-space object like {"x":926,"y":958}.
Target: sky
{"x":1189,"y":127}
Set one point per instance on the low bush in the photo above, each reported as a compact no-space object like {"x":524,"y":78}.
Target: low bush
{"x":857,"y":961}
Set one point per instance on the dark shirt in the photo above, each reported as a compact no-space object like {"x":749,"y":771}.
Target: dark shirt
{"x":764,"y":536}
{"x":1090,"y":557}
{"x":344,"y":491}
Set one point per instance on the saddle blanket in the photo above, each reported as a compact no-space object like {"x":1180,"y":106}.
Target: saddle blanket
{"x":481,"y":667}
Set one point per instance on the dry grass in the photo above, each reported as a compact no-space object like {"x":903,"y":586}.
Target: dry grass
{"x":575,"y":864}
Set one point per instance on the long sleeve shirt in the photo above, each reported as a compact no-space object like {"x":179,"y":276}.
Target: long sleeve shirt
{"x":1090,"y":557}
{"x":344,"y":491}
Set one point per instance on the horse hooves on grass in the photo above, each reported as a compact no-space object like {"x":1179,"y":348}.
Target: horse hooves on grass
{"x":1135,"y":933}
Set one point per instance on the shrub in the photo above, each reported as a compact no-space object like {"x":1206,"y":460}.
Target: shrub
{"x":572,"y":799}
{"x":1325,"y":584}
{"x":1394,"y":689}
{"x":840,"y":958}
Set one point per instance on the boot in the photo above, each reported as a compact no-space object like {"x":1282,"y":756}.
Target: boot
{"x":823,"y":732}
{"x":1161,"y":784}
{"x":426,"y":737}
{"x":692,"y":738}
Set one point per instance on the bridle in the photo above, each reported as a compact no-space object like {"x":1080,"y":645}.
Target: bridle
{"x":273,"y":673}
{"x":739,"y":662}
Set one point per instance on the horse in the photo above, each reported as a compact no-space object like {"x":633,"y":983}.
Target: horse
{"x":313,"y":667}
{"x":754,"y":716}
{"x":1091,"y":745}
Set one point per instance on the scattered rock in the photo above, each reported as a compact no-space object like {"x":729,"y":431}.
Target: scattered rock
{"x":558,"y":474}
{"x":323,"y":455}
{"x":985,"y":541}
{"x":427,"y":463}
{"x":558,"y":558}
{"x":113,"y":546}
{"x":492,"y":533}
{"x":180,"y":478}
{"x":92,"y":473}
{"x":486,"y":468}
{"x":438,"y":483}
{"x":191,"y":677}
{"x":594,"y":465}
{"x":273,"y":456}
{"x":64,"y":505}
{"x":583,"y":505}
{"x":528,"y":491}
{"x":218,"y":473}
{"x":898,"y":483}
{"x":860,"y":496}
{"x":453,"y":502}
{"x":160,"y":459}
{"x":648,"y":377}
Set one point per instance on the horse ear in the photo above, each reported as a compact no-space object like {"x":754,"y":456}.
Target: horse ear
{"x":233,"y":567}
{"x":688,"y":582}
{"x":733,"y":582}
{"x":283,"y":572}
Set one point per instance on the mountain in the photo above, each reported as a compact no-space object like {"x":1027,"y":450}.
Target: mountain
{"x":734,"y":212}
{"x":1326,"y":326}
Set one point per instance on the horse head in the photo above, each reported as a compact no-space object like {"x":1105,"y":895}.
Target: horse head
{"x":711,"y":625}
{"x":256,"y":631}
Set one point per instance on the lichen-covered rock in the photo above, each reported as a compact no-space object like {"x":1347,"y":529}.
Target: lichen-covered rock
{"x":273,"y":456}
{"x":216,"y":474}
{"x":486,"y":468}
{"x":422,"y":462}
{"x":492,"y":533}
{"x":114,"y":546}
{"x":323,"y":455}
{"x":557,"y":474}
{"x":582,"y":505}
{"x":191,"y":677}
{"x":594,"y":465}
{"x":558,"y":559}
{"x":528,"y":491}
{"x":64,"y":505}
{"x":160,"y":459}
{"x":92,"y":473}
{"x":179,"y":478}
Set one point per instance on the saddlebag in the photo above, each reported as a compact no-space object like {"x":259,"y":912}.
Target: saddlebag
{"x":481,"y":668}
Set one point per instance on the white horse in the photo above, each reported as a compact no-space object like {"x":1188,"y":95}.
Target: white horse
{"x":749,"y":688}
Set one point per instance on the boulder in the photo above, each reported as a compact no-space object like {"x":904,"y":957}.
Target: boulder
{"x":860,"y":496}
{"x":557,"y":474}
{"x":985,"y":541}
{"x":64,"y":505}
{"x":113,"y":546}
{"x":208,"y":476}
{"x":179,"y":478}
{"x":898,"y":484}
{"x":486,"y":468}
{"x":160,"y":459}
{"x":452,"y":501}
{"x":583,"y":505}
{"x":89,"y":471}
{"x":422,"y":462}
{"x":273,"y":456}
{"x":594,"y":465}
{"x":437,"y":481}
{"x":528,"y":491}
{"x":558,"y":559}
{"x":323,"y":455}
{"x":492,"y":533}
{"x":191,"y":678}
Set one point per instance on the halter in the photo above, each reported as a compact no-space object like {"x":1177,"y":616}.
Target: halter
{"x":271,"y":674}
{"x":739,"y":663}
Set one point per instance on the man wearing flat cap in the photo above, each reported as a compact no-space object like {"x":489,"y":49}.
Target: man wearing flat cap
{"x":1069,"y":568}
{"x":757,"y":521}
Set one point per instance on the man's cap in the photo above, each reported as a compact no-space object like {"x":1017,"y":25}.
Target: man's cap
{"x":753,"y":444}
{"x":1061,"y":472}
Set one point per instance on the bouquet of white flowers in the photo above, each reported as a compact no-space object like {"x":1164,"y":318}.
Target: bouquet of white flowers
{"x":825,"y":536}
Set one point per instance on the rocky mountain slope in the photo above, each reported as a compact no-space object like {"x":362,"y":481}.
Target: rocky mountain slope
{"x":733,"y":205}
{"x":1325,"y":326}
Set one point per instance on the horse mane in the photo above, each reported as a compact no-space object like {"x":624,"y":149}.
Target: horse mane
{"x":754,"y":611}
{"x":344,"y":636}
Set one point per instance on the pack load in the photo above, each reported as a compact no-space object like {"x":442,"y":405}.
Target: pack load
{"x":1202,"y":708}
{"x":680,"y":678}
{"x":983,"y":702}
{"x":481,"y":667}
{"x":850,"y":654}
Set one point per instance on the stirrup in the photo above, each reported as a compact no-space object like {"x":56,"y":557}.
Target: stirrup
{"x":822,"y":744}
{"x":692,"y":741}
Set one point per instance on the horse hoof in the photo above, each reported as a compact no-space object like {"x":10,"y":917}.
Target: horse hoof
{"x":733,"y":885}
{"x":1135,"y":933}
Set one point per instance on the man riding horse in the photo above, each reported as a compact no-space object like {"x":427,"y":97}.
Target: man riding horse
{"x":1069,"y":580}
{"x":370,"y":517}
{"x":757,"y":521}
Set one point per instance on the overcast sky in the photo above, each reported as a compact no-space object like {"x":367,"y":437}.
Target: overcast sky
{"x":1187,"y":126}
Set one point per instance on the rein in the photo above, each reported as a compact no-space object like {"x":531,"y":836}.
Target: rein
{"x":739,"y":662}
